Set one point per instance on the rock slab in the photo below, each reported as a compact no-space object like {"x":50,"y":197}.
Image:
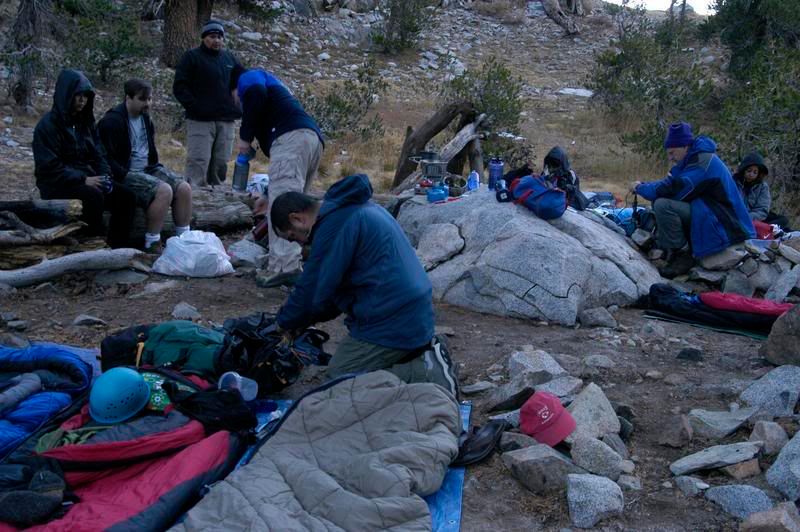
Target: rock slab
{"x":597,"y":317}
{"x":717,"y":425}
{"x":783,"y":344}
{"x":784,"y":474}
{"x":715,"y":457}
{"x":540,"y":468}
{"x":775,"y":393}
{"x":772,"y":434}
{"x":739,"y":500}
{"x":783,"y":518}
{"x":593,"y":413}
{"x":691,"y":486}
{"x":596,"y":457}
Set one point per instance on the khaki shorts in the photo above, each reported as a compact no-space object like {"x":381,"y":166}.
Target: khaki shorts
{"x":145,"y":185}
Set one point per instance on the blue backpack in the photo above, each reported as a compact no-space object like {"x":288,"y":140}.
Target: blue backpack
{"x":539,"y":195}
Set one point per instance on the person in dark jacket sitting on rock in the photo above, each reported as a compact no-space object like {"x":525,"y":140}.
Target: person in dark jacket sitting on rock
{"x":129,"y":137}
{"x":70,"y":163}
{"x":558,"y":170}
{"x":292,"y":141}
{"x":362,"y":265}
{"x":751,"y":177}
{"x":699,"y":198}
{"x":201,"y":86}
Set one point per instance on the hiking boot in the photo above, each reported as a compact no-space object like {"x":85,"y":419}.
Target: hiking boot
{"x":439,"y":367}
{"x":678,"y":263}
{"x":154,"y":249}
{"x":274,"y":280}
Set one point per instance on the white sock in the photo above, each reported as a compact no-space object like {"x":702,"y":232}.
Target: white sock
{"x":151,"y":238}
{"x":180,"y":229}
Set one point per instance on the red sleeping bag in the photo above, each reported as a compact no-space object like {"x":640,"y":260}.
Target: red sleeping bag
{"x":737,"y":303}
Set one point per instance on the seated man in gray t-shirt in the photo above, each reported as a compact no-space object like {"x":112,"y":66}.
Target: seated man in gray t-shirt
{"x":129,"y":139}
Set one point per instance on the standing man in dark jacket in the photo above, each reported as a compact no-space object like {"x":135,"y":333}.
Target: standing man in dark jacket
{"x":129,"y":138}
{"x":70,"y":161}
{"x":698,"y":198}
{"x":292,"y":141}
{"x":201,"y":85}
{"x":361,"y":264}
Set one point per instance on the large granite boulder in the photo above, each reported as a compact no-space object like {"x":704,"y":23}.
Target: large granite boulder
{"x":515,"y":264}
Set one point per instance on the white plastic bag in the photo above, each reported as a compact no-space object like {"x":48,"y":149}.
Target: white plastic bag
{"x":194,"y":254}
{"x":258,"y":185}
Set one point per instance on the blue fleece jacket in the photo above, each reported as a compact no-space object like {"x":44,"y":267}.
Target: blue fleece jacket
{"x":361,"y":264}
{"x":269,"y":110}
{"x":719,"y":216}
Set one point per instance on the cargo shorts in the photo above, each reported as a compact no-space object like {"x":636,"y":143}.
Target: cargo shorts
{"x":145,"y":184}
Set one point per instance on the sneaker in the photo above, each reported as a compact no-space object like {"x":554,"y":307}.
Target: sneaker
{"x":439,"y":367}
{"x":274,"y":280}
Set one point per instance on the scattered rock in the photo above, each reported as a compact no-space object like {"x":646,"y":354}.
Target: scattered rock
{"x":643,"y":239}
{"x":717,"y":425}
{"x":616,"y":443}
{"x":783,"y":518}
{"x":690,"y":353}
{"x":629,"y":483}
{"x":14,"y":340}
{"x":596,"y":457}
{"x":783,"y":285}
{"x":737,"y":283}
{"x":706,"y":276}
{"x":563,"y":386}
{"x":17,"y":325}
{"x":185,"y":311}
{"x":540,"y":468}
{"x":784,"y":474}
{"x":716,"y":457}
{"x":248,"y":254}
{"x":593,"y":414}
{"x":677,"y":432}
{"x":652,"y":329}
{"x":690,"y":486}
{"x":625,"y":428}
{"x":478,"y":387}
{"x":775,"y":393}
{"x":511,"y":441}
{"x":597,"y":317}
{"x":444,"y":330}
{"x":581,"y":93}
{"x":534,"y":362}
{"x":251,"y":35}
{"x":155,"y":288}
{"x":725,"y":259}
{"x":783,"y":344}
{"x":790,"y":254}
{"x":512,"y":418}
{"x":599,"y":361}
{"x":123,"y":277}
{"x":654,"y":374}
{"x":739,"y":500}
{"x":591,"y":499}
{"x":628,"y":467}
{"x":513,"y":394}
{"x":772,"y":434}
{"x":742,"y":470}
{"x":749,"y":266}
{"x":85,"y":320}
{"x":674,"y":379}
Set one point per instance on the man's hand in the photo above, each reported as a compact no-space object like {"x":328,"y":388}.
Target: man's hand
{"x":634,"y":185}
{"x":244,"y":146}
{"x":95,"y":181}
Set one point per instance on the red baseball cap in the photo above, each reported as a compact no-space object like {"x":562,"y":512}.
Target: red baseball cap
{"x":544,"y":419}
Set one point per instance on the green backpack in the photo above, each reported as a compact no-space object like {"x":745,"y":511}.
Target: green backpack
{"x":183,"y":344}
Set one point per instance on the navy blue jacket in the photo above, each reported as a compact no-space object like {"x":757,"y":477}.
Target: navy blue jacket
{"x":361,"y":264}
{"x":202,"y":80}
{"x":719,"y":216}
{"x":269,"y":110}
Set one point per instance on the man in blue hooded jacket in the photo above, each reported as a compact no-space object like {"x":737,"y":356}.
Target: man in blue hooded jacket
{"x":698,"y":197}
{"x":292,"y":141}
{"x":361,"y":264}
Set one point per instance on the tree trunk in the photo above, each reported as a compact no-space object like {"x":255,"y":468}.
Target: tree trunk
{"x":27,"y":31}
{"x":44,"y":213}
{"x":24,"y":256}
{"x":181,"y":31}
{"x":204,"y":9}
{"x":416,"y":140}
{"x":456,"y":164}
{"x":15,"y":232}
{"x":475,"y":154}
{"x":101,"y":259}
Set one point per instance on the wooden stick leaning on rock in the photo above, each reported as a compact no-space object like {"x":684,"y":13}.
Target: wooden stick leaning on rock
{"x":101,"y":259}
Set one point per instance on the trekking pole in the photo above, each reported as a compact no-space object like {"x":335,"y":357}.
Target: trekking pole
{"x":634,"y":213}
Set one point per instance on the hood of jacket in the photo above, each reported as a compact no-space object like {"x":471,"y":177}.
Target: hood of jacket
{"x":255,"y":77}
{"x":70,"y":83}
{"x":352,"y":190}
{"x":752,"y":159}
{"x":557,"y":158}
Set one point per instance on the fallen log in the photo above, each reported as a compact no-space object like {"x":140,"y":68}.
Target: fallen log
{"x":450,"y":150}
{"x":15,"y":232}
{"x":24,"y":256}
{"x":44,"y":213}
{"x":101,"y":259}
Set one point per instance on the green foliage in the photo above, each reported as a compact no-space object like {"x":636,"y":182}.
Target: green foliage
{"x":516,"y":152}
{"x":106,"y":38}
{"x":259,"y":9}
{"x":493,"y":89}
{"x":343,"y":106}
{"x":404,"y":20}
{"x":653,"y":74}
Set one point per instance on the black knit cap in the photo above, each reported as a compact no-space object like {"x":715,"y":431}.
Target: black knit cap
{"x":212,"y":26}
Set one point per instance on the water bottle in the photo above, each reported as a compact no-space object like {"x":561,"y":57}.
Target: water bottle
{"x":241,"y":170}
{"x":108,"y":184}
{"x":495,"y":172}
{"x":473,"y":181}
{"x":233,"y":381}
{"x":502,"y":194}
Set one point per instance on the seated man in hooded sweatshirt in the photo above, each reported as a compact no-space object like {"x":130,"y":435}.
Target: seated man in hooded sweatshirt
{"x":70,"y":163}
{"x":699,"y":198}
{"x":129,"y":138}
{"x":362,"y":265}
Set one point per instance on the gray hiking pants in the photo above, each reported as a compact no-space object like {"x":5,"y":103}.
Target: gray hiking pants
{"x":673,"y":222}
{"x":208,"y":150}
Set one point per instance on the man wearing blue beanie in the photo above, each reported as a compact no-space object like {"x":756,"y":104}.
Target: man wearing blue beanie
{"x":698,"y":198}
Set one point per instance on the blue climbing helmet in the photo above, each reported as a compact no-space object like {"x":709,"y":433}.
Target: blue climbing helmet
{"x":118,"y":395}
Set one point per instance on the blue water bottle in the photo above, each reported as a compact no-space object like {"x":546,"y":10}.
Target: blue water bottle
{"x":473,"y":181}
{"x":495,"y":172}
{"x":241,"y":170}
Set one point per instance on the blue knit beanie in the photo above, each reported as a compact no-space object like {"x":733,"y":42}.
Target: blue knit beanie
{"x":678,"y":135}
